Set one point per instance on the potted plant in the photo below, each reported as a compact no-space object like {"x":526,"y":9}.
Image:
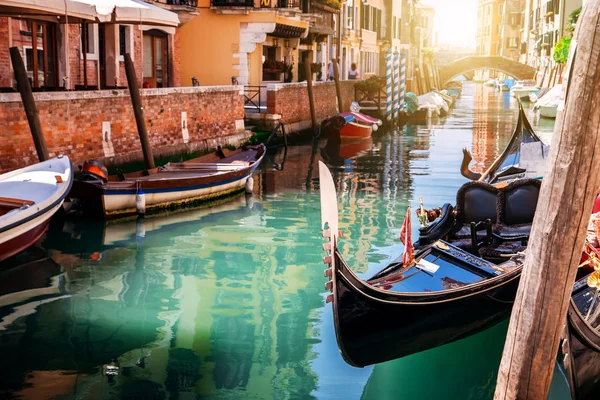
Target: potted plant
{"x":317,"y":68}
{"x":273,"y":66}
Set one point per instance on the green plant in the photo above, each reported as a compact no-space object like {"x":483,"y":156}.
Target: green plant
{"x":573,"y":18}
{"x":337,"y":4}
{"x":561,"y":50}
{"x":274,"y":65}
{"x":372,"y":85}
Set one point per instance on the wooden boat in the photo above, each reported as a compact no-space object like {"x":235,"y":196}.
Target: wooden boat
{"x":522,"y":89}
{"x":581,"y":341}
{"x":31,"y":196}
{"x":454,"y":288}
{"x":523,"y":157}
{"x":176,"y":184}
{"x":358,"y":125}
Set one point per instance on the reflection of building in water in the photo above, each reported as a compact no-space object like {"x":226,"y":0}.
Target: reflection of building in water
{"x":482,"y":156}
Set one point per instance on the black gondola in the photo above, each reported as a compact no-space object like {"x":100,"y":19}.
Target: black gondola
{"x":406,"y":309}
{"x":510,"y":164}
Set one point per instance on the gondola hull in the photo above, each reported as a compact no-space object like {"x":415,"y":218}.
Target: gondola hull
{"x":583,"y":356}
{"x":373,"y":326}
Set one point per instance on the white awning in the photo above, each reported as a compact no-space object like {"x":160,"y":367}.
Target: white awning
{"x":60,"y":8}
{"x":131,"y":12}
{"x":123,"y":11}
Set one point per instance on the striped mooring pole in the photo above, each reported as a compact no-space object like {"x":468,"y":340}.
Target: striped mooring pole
{"x":402,"y":77}
{"x":388,"y":85}
{"x":396,"y":78}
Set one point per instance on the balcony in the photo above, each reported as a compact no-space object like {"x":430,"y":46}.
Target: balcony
{"x":232,"y":3}
{"x":185,"y":9}
{"x":289,"y":3}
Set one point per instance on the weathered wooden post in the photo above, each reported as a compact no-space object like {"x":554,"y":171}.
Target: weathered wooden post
{"x":338,"y":90}
{"x":33,"y":117}
{"x":311,"y":97}
{"x":138,"y":110}
{"x":565,"y":203}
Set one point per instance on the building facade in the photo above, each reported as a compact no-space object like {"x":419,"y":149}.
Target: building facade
{"x":79,"y":50}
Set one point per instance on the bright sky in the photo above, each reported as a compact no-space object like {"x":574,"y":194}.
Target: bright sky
{"x":456,"y":21}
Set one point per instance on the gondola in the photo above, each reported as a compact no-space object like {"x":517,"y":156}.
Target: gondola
{"x":581,"y":341}
{"x":522,"y":158}
{"x":203,"y":179}
{"x":453,"y":287}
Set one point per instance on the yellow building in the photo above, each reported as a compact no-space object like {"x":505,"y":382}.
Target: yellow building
{"x":245,"y":41}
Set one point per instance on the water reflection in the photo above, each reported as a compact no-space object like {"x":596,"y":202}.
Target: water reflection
{"x":228,"y":301}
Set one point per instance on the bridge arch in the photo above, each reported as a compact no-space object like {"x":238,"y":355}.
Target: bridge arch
{"x":498,"y":63}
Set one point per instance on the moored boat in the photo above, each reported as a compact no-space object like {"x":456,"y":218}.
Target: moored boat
{"x":358,"y":125}
{"x":176,"y":184}
{"x":522,"y":89}
{"x":523,"y":157}
{"x":30,"y":197}
{"x":448,"y":290}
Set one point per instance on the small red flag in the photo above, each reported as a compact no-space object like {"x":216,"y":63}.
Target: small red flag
{"x":406,"y":238}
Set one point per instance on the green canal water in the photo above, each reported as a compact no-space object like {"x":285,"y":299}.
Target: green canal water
{"x":228,"y":302}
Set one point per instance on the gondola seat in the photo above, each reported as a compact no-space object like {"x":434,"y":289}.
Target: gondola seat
{"x":510,"y":211}
{"x":475,"y":202}
{"x":516,"y":207}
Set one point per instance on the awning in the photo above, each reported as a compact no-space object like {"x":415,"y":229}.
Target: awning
{"x":123,"y":11}
{"x":289,"y":28}
{"x":131,"y":12}
{"x":33,"y":8}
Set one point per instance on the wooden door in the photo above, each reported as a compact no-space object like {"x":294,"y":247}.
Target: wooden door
{"x":160,"y":61}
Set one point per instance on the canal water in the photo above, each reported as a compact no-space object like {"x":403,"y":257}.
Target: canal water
{"x":228,"y":302}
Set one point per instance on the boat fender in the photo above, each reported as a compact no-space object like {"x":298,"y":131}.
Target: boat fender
{"x":140,"y":201}
{"x":375,"y":127}
{"x":250,"y":185}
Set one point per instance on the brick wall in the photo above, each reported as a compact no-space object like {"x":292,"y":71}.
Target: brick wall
{"x":72,"y":123}
{"x":290,"y":100}
{"x":5,"y":68}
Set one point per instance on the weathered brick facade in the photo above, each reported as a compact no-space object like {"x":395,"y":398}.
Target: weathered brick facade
{"x":95,"y":125}
{"x":290,"y":100}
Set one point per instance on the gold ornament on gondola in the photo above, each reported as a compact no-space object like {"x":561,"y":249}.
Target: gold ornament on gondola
{"x":593,"y":280}
{"x":422,"y":214}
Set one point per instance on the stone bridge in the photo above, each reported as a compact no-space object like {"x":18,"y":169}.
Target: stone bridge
{"x":497,"y":63}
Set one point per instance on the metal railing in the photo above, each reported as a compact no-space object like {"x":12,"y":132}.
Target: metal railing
{"x":289,"y":3}
{"x":253,"y":99}
{"x":190,"y":3}
{"x":232,"y":3}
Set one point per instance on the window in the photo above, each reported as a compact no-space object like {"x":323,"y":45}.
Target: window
{"x":29,"y":58}
{"x":498,"y":29}
{"x":500,"y":9}
{"x":89,"y":41}
{"x":394,"y":28}
{"x":349,"y":14}
{"x":125,"y":41}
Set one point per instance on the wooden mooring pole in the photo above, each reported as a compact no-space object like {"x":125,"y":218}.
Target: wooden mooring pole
{"x":33,"y":117}
{"x":311,"y":96}
{"x":338,"y":90}
{"x":138,"y":110}
{"x":568,"y":192}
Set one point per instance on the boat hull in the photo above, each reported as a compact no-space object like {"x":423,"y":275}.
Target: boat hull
{"x":374,"y":327}
{"x":22,"y":236}
{"x":583,"y":356}
{"x":353,"y":130}
{"x":548,"y":111}
{"x":171,"y":187}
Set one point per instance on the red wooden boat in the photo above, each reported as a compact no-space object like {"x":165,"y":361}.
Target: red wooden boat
{"x":358,"y":125}
{"x":30,"y":197}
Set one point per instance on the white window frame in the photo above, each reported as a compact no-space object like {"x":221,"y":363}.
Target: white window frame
{"x":95,"y":54}
{"x":128,"y":41}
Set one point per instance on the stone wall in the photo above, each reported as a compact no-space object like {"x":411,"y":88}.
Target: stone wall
{"x":290,"y":102}
{"x":101,"y":124}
